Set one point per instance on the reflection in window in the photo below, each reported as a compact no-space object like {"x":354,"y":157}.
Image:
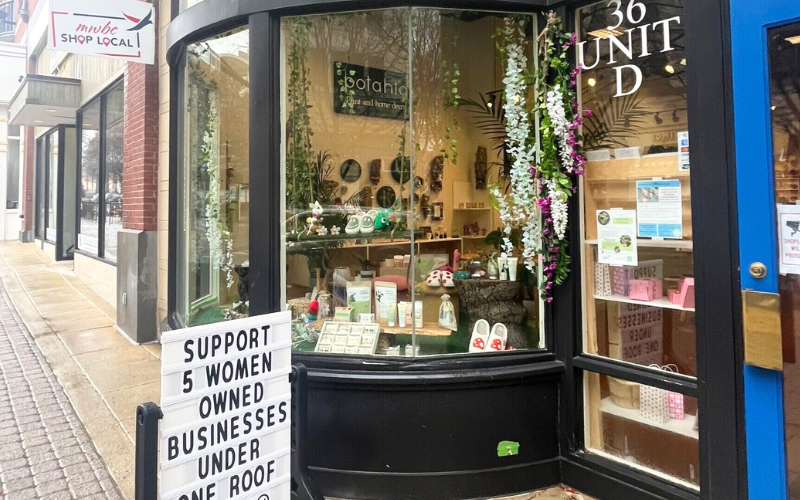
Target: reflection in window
{"x":634,"y":82}
{"x":114,"y":156}
{"x":214,"y":216}
{"x":52,"y":185}
{"x":12,"y":168}
{"x":390,"y":231}
{"x":89,"y":178}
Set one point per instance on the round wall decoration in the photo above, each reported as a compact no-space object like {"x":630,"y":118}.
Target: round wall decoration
{"x":386,"y":197}
{"x":401,"y":170}
{"x":350,"y":170}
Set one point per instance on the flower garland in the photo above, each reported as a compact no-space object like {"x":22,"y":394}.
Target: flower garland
{"x":541,"y":181}
{"x":219,"y":237}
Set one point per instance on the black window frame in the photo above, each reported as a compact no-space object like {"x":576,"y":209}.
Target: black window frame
{"x":42,"y":175}
{"x":102,"y":98}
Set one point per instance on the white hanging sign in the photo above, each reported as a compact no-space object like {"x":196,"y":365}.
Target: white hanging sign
{"x":119,"y":29}
{"x":226,"y":399}
{"x":789,"y":238}
{"x":616,"y":237}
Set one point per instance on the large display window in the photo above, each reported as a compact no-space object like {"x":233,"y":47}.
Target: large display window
{"x":214,"y":202}
{"x":55,"y":187}
{"x":394,"y":232}
{"x":639,"y":285}
{"x":100,"y":177}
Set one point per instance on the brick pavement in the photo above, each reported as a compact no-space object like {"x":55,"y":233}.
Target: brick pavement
{"x":45,"y":451}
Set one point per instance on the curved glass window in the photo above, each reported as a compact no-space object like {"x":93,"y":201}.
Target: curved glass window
{"x":390,"y":121}
{"x":213,"y":237}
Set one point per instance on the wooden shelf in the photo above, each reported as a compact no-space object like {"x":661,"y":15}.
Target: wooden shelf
{"x":665,"y":243}
{"x":427,"y":330}
{"x":474,"y":237}
{"x":683,"y":427}
{"x":663,"y":303}
{"x":471,"y":209}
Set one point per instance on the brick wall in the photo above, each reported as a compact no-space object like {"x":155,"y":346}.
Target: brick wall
{"x":140,"y":173}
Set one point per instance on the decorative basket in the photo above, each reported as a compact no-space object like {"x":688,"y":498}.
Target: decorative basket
{"x":624,"y":394}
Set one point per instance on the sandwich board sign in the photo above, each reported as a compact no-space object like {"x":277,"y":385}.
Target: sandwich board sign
{"x":226,"y":399}
{"x":116,"y":29}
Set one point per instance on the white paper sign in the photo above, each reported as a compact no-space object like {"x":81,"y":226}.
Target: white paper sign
{"x":616,"y":237}
{"x":118,"y":29}
{"x":789,"y":237}
{"x":226,"y":399}
{"x":659,"y":209}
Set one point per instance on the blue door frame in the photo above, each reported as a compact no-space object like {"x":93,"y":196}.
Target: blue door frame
{"x":763,"y":389}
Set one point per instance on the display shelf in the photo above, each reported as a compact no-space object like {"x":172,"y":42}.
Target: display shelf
{"x":455,"y":209}
{"x":427,"y":330}
{"x":662,"y":303}
{"x":336,"y":238}
{"x":665,"y":243}
{"x":474,"y":237}
{"x":683,"y":427}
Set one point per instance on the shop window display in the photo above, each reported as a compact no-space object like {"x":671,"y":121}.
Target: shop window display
{"x":214,"y":205}
{"x":637,"y":249}
{"x":114,"y":151}
{"x":394,"y":138}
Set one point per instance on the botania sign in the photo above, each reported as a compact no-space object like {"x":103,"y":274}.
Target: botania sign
{"x":118,"y":29}
{"x":363,"y":91}
{"x":625,"y":40}
{"x":226,"y":396}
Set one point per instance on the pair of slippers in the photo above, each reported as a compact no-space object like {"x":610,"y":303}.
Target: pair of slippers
{"x":440,"y":278}
{"x":361,"y":222}
{"x":485,"y":339}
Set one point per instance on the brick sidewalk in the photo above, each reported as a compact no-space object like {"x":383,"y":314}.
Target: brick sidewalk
{"x":45,"y":451}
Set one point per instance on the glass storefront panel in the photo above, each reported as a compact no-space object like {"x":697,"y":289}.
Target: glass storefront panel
{"x":784,"y":59}
{"x":68,"y":203}
{"x":213,"y":242}
{"x":52,"y":185}
{"x":636,"y":423}
{"x":41,"y":186}
{"x":637,"y":246}
{"x":89,"y":178}
{"x":114,"y":159}
{"x":365,"y":143}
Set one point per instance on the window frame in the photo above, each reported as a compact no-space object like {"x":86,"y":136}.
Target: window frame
{"x":42,"y":175}
{"x":102,"y":98}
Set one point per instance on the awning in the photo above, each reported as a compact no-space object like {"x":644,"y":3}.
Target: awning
{"x":45,"y":101}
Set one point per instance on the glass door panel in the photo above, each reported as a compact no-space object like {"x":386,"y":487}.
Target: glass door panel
{"x":784,"y":59}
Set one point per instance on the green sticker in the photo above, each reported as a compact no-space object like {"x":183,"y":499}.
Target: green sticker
{"x":507,"y":448}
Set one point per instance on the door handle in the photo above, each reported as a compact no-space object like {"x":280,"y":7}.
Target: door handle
{"x":761,"y":321}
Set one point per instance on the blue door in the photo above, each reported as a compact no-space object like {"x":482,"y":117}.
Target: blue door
{"x":765,"y":50}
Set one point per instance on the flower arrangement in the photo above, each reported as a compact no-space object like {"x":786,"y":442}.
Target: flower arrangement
{"x":542,"y":174}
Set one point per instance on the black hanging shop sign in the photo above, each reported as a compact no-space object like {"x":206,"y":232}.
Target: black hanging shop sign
{"x":364,"y":91}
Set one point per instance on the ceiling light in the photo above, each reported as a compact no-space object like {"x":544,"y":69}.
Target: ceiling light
{"x":87,"y":124}
{"x":658,"y":119}
{"x":794,"y":40}
{"x":773,"y":107}
{"x":683,"y":62}
{"x":51,"y":110}
{"x":675,"y":116}
{"x":605,"y":33}
{"x":669,"y":69}
{"x":488,"y":104}
{"x":592,"y":82}
{"x":38,"y":121}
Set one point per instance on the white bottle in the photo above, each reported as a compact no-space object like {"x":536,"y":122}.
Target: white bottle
{"x":418,"y":313}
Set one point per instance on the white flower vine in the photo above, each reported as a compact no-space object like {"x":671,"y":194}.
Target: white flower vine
{"x":558,"y":118}
{"x":219,"y":237}
{"x":522,"y":209}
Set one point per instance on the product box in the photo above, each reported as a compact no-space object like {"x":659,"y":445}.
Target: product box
{"x":602,"y":280}
{"x":635,"y":333}
{"x":645,"y":289}
{"x":359,"y":297}
{"x":684,"y":295}
{"x":622,"y":275}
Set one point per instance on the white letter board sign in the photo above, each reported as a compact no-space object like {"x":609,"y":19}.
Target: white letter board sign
{"x":226,"y":398}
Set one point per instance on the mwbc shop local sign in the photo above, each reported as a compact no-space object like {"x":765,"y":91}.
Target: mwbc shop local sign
{"x":116,"y":29}
{"x":226,"y":398}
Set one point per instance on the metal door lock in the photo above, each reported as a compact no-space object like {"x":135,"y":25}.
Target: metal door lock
{"x":758,"y":270}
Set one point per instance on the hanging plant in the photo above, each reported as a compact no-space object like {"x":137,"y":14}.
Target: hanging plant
{"x":300,"y":158}
{"x":541,"y":176}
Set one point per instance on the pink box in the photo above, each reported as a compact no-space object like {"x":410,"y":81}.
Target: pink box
{"x":646,"y":289}
{"x":684,"y":295}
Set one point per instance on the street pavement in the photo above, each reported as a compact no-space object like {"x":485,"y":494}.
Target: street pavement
{"x":45,"y":451}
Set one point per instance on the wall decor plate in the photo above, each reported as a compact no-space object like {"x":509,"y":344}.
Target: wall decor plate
{"x":401,"y":169}
{"x":436,"y":186}
{"x":375,"y":167}
{"x":419,"y":182}
{"x":386,"y":197}
{"x":437,"y":168}
{"x":350,"y":170}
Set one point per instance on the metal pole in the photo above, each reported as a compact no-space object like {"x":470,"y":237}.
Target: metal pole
{"x":146,"y":479}
{"x":302,"y":486}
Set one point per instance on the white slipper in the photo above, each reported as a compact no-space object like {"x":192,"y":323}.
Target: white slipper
{"x":498,"y":338}
{"x":480,"y":334}
{"x":354,"y":223}
{"x":367,"y":224}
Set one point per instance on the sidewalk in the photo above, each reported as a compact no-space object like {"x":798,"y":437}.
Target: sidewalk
{"x":45,"y":451}
{"x":104,"y":375}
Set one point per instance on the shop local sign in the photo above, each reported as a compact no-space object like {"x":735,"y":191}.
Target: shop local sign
{"x":226,"y":398}
{"x":117,"y":29}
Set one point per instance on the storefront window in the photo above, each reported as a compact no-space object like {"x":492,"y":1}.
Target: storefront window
{"x":390,"y":230}
{"x":102,"y":161}
{"x":90,"y":178}
{"x":114,"y":156}
{"x":12,"y":168}
{"x":52,"y":185}
{"x":639,"y":304}
{"x":213,"y":241}
{"x":41,"y":185}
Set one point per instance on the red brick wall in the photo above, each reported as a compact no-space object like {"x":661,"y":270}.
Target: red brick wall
{"x":140,"y":171}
